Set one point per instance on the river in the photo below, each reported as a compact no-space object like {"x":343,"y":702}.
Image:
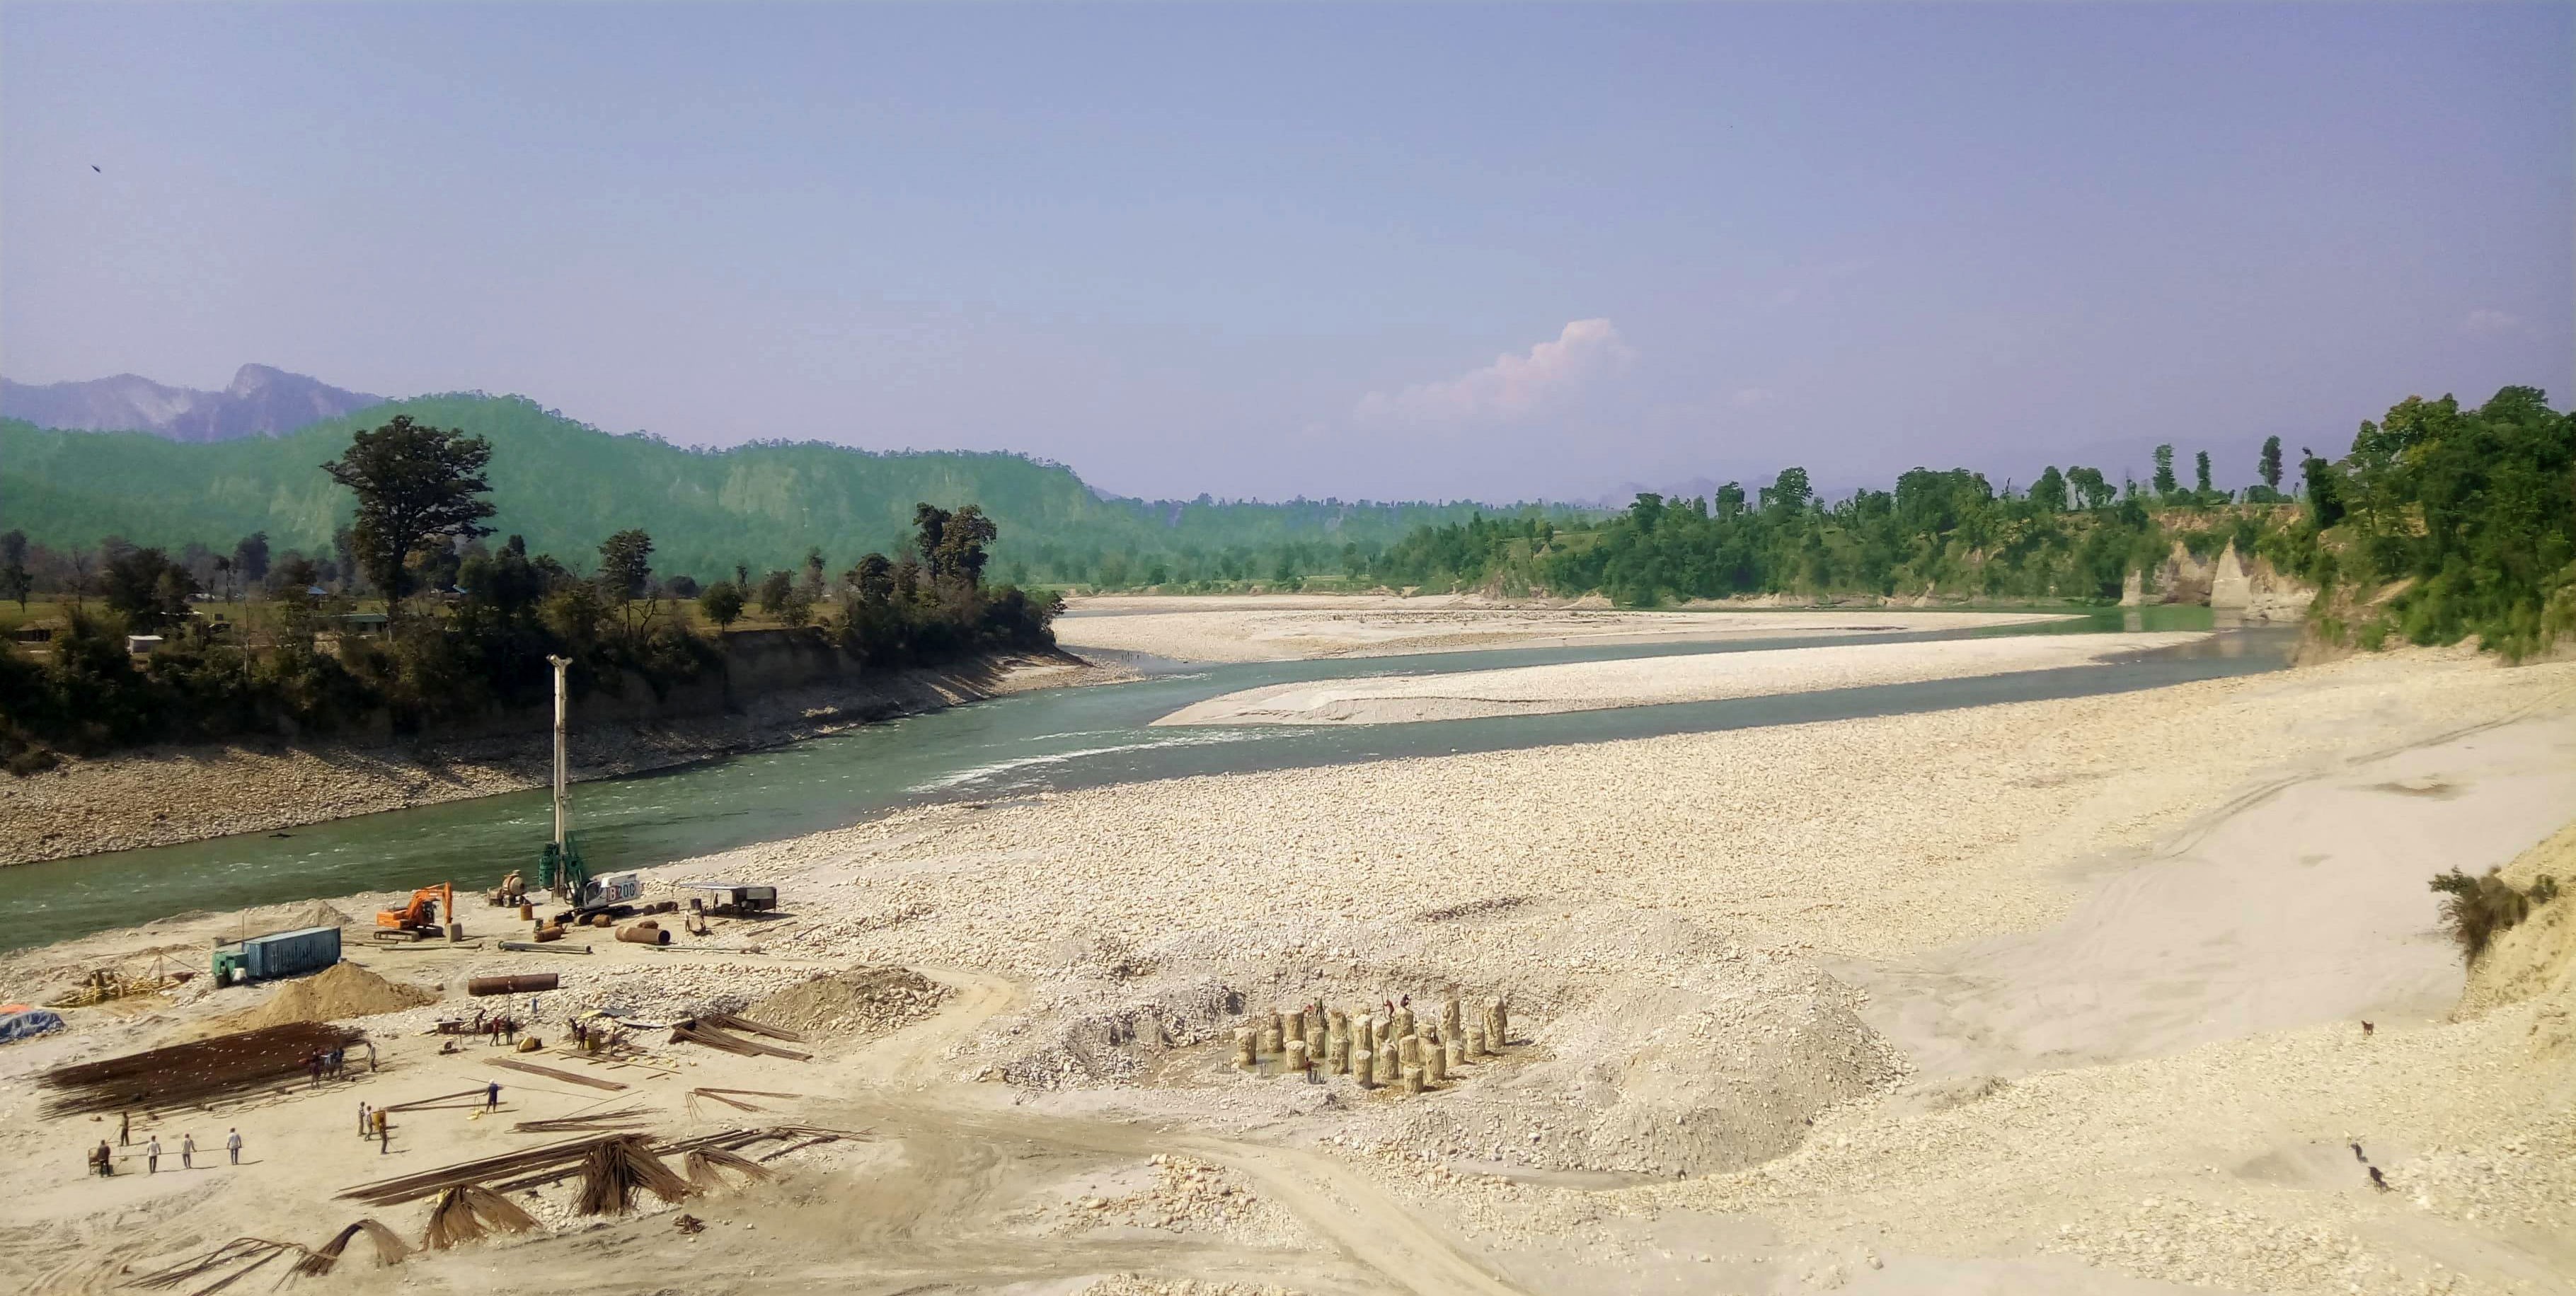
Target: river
{"x":1053,"y":740}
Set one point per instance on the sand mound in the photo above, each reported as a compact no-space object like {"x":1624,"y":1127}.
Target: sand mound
{"x":2537,"y":958}
{"x":1643,"y":1044}
{"x":319,"y":914}
{"x":337,"y":993}
{"x":861,"y":1001}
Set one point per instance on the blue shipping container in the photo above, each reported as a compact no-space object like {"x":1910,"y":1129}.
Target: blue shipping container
{"x":286,"y":953}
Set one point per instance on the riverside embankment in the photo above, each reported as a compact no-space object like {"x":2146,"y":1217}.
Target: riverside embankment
{"x":167,"y":794}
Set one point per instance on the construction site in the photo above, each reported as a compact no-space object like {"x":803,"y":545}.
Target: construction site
{"x":1569,"y":1019}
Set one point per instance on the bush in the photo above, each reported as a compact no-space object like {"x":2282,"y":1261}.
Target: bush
{"x":2476,"y":909}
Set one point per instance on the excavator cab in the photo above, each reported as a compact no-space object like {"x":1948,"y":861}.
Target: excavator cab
{"x":418,"y":920}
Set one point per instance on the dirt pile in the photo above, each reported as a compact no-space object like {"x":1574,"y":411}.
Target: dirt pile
{"x":337,"y":993}
{"x":1641,"y":1044}
{"x":2536,"y":958}
{"x":862,"y":1001}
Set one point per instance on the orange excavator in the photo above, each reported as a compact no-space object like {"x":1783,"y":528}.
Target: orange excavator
{"x":418,"y":921}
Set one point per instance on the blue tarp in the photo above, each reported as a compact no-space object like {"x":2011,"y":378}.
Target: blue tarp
{"x":21,"y":1025}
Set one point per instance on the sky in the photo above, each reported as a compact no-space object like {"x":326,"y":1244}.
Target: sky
{"x":1334,"y":251}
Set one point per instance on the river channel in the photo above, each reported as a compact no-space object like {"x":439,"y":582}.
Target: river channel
{"x":1055,"y":740}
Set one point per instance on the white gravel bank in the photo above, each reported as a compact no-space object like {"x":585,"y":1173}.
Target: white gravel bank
{"x":1649,"y":681}
{"x":1212,"y":629}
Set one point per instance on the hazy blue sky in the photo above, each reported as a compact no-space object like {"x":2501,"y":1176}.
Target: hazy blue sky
{"x":1443,"y":251}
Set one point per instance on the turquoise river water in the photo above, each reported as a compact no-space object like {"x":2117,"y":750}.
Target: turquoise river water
{"x":1015,"y":746}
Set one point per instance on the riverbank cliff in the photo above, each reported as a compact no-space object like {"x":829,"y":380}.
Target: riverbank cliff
{"x":163,"y":795}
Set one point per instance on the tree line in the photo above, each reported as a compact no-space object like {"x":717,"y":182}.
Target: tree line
{"x":2437,"y":523}
{"x":466,"y":627}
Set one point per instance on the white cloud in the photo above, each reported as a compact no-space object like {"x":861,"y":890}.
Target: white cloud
{"x":1514,"y":386}
{"x":1753,"y":397}
{"x":2487,"y":319}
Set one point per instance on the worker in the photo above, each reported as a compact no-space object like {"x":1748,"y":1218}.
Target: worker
{"x":187,"y":1151}
{"x":492,"y":1096}
{"x":103,"y":1160}
{"x":510,"y":1030}
{"x":125,"y":1129}
{"x":384,"y":1132}
{"x":232,"y":1144}
{"x":363,"y":1125}
{"x":152,"y":1156}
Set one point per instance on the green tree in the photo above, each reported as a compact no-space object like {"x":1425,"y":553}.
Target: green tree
{"x":722,"y":603}
{"x":872,"y":578}
{"x":813,"y":585}
{"x":780,"y":601}
{"x":15,"y":582}
{"x":2049,"y":492}
{"x":2200,"y":473}
{"x":250,"y":557}
{"x":1789,"y":492}
{"x":626,"y":563}
{"x":2325,"y":499}
{"x":2165,"y":482}
{"x":2269,"y":468}
{"x":2089,"y":483}
{"x":415,"y":484}
{"x":148,"y":589}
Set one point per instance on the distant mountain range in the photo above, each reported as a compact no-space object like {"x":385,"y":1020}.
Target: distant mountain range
{"x":260,"y":402}
{"x":567,"y":486}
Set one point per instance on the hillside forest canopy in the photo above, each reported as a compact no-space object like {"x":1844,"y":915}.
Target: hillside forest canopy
{"x":466,"y":626}
{"x":2436,"y":524}
{"x":566,"y":487}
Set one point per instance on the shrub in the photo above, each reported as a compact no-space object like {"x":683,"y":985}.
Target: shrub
{"x":2476,"y":909}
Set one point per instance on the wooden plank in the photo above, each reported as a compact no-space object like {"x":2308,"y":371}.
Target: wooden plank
{"x":533,"y":1069}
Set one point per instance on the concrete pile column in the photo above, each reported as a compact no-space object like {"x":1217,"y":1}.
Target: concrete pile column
{"x":1246,"y":1048}
{"x":1316,"y":1051}
{"x":1498,"y":1025}
{"x":1435,"y":1061}
{"x":1337,"y":1043}
{"x":1364,"y":1067}
{"x":1451,"y":1018}
{"x":1297,"y":1057}
{"x":1272,"y":1040}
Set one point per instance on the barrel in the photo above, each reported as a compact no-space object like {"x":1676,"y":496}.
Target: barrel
{"x":644,"y":933}
{"x":523,"y":983}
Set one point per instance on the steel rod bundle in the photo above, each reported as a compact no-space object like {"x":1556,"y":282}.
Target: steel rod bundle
{"x":552,"y":1074}
{"x":594,"y":1123}
{"x":513,"y":1171}
{"x":616,"y":1167}
{"x":705,"y":1162}
{"x":702,"y":1030}
{"x":249,"y":1253}
{"x":468,"y":1211}
{"x":749,"y":1027}
{"x":195,"y":1073}
{"x":390,"y":1249}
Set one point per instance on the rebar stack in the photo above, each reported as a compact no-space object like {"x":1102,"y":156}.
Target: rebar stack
{"x":193,"y":1074}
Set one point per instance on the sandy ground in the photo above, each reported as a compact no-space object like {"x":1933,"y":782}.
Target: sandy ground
{"x":1219,"y":628}
{"x":162,"y":795}
{"x":2052,"y":996}
{"x":1648,"y":681}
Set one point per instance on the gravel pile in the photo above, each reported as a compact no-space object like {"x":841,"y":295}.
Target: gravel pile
{"x":857,"y":1003}
{"x":1191,"y":1196}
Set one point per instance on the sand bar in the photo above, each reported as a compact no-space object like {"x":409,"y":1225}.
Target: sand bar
{"x":1651,"y":681}
{"x":1294,"y":627}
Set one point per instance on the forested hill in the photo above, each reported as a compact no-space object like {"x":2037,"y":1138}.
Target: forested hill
{"x":566,"y":486}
